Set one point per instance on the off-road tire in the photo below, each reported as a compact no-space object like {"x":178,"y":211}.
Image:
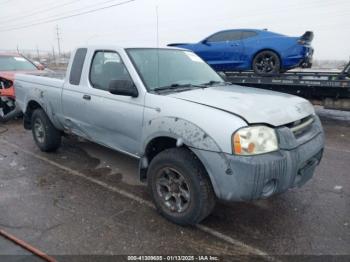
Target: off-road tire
{"x":51,"y":139}
{"x":202,"y":196}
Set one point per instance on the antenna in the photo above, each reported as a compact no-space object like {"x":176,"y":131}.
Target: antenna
{"x":157,"y":15}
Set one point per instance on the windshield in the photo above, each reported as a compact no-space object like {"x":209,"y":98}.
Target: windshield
{"x":15,"y":63}
{"x":175,"y":68}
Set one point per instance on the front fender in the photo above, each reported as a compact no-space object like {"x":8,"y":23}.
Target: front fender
{"x":191,"y":135}
{"x":182,"y":130}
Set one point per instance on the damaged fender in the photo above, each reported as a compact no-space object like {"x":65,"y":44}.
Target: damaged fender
{"x":182,"y":130}
{"x":185,"y":133}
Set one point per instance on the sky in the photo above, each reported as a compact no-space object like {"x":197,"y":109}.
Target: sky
{"x":135,"y":23}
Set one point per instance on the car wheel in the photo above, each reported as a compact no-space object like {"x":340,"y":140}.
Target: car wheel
{"x":180,"y":187}
{"x":266,"y":63}
{"x":45,"y":135}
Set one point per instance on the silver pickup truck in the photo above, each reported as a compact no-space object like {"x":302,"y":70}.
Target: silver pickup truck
{"x":198,"y":138}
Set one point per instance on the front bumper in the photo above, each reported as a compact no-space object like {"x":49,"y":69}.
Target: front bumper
{"x":246,"y":178}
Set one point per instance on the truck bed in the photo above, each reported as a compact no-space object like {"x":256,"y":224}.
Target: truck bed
{"x":45,"y":89}
{"x":46,"y":79}
{"x":50,"y":74}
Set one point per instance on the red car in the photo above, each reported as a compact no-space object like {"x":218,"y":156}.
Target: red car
{"x":10,"y":64}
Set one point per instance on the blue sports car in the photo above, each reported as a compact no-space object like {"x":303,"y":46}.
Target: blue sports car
{"x":265,"y":52}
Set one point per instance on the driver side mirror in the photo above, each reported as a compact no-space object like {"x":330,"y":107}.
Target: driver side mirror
{"x":41,"y":67}
{"x":38,"y":65}
{"x":123,"y":88}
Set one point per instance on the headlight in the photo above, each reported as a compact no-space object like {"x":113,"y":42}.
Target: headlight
{"x":254,"y":140}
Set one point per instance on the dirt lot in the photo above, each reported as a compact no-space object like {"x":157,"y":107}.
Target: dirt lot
{"x":86,"y":199}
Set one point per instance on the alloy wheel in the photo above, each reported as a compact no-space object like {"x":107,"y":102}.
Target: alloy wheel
{"x":39,"y":131}
{"x":173,"y":190}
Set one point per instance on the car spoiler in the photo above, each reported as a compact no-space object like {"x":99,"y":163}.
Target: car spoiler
{"x":177,"y":44}
{"x":308,"y":36}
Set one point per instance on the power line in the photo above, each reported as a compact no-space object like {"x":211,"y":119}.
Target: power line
{"x":5,"y":2}
{"x":68,"y":16}
{"x":59,"y":14}
{"x":37,"y":11}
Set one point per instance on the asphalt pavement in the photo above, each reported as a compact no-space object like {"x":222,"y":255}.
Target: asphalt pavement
{"x":87,"y":200}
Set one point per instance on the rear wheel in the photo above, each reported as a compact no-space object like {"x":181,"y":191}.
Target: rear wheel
{"x":266,"y":63}
{"x":180,"y":187}
{"x":45,"y":135}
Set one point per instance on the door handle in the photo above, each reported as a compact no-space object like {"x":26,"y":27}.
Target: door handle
{"x":86,"y":97}
{"x":235,"y":44}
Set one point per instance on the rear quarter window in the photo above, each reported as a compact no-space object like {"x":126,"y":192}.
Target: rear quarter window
{"x":248,"y":34}
{"x":77,"y":66}
{"x":225,"y":36}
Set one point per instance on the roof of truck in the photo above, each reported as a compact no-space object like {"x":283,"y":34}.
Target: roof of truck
{"x":112,"y":47}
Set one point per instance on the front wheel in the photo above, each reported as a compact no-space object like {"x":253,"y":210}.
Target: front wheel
{"x":266,"y":63}
{"x":45,"y":135}
{"x":180,"y":187}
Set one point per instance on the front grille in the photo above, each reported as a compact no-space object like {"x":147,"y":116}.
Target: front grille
{"x":301,"y":126}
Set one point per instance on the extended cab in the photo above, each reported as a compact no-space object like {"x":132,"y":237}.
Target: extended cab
{"x":197,"y":137}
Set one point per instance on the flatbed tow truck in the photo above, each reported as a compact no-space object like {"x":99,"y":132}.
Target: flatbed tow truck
{"x":328,"y":89}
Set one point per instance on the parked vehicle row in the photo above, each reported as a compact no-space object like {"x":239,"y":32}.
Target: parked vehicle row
{"x":265,"y":52}
{"x":197,"y":137}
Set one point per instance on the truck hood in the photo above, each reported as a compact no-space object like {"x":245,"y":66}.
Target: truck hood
{"x":252,"y":104}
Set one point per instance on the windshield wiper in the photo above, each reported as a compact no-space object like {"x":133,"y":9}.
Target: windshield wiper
{"x":174,"y":87}
{"x":188,"y":86}
{"x":213,"y":83}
